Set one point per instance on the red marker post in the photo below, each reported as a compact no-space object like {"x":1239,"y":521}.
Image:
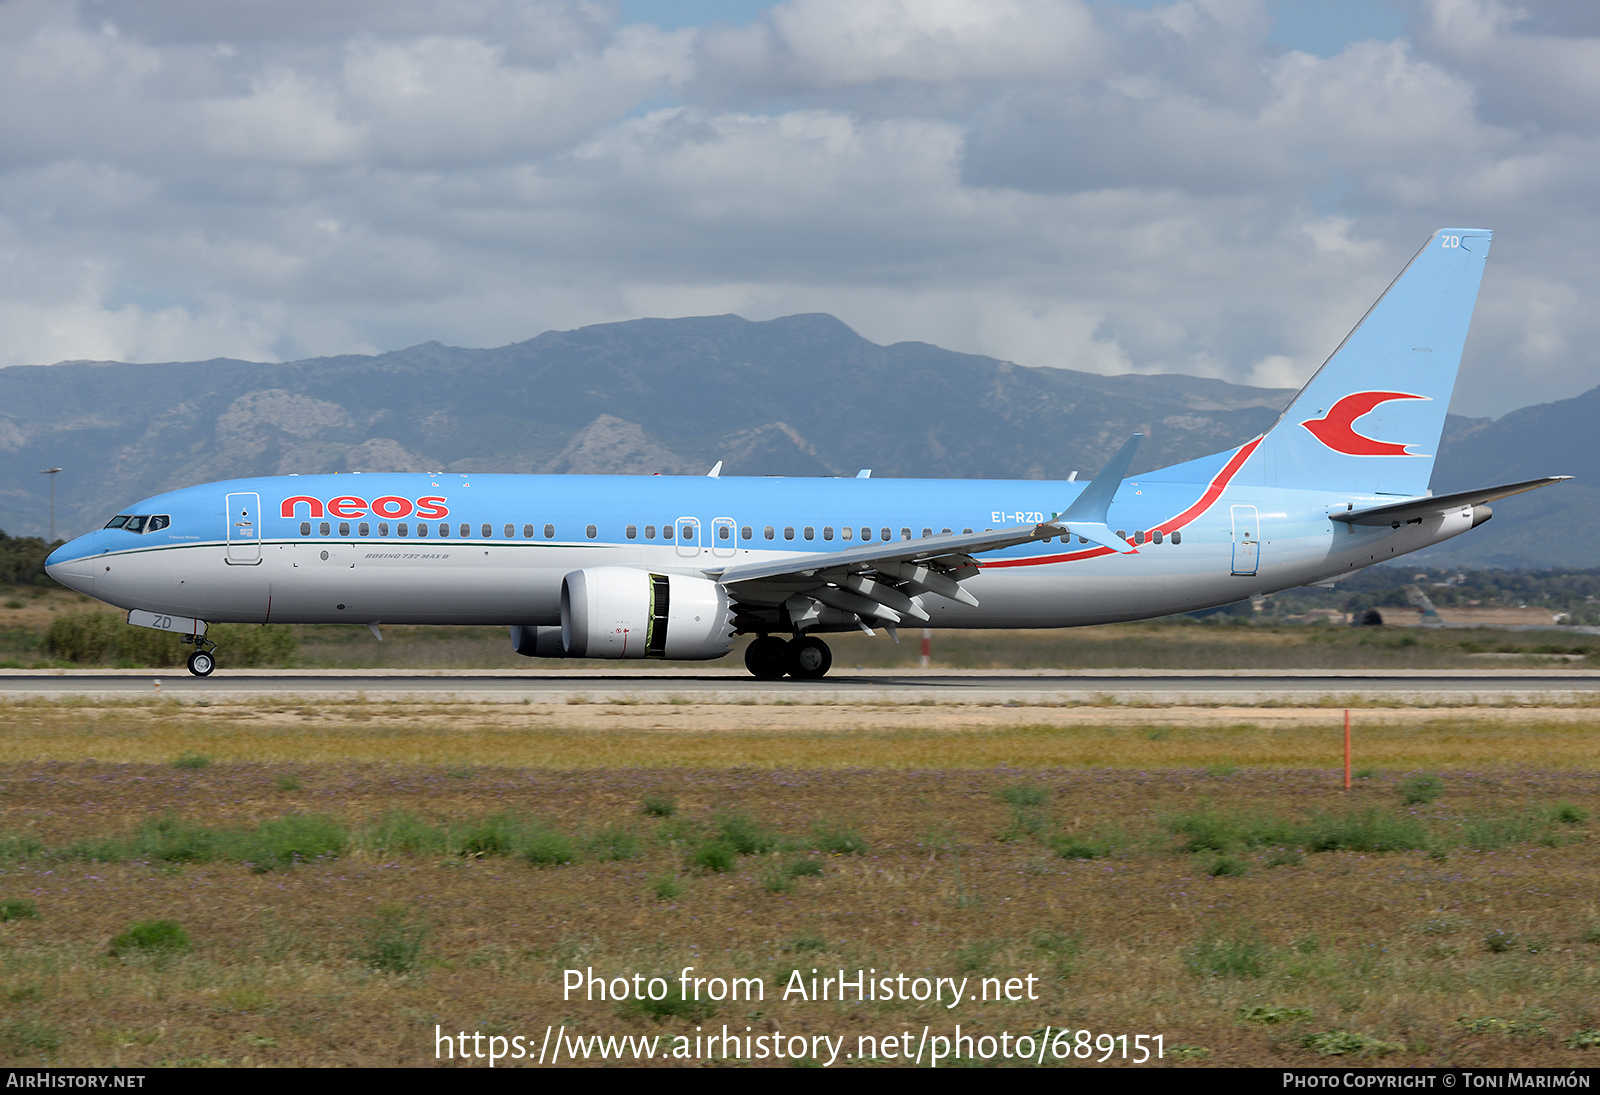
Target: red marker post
{"x":1347,"y":750}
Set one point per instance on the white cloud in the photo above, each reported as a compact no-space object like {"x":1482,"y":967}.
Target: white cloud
{"x":1049,"y":181}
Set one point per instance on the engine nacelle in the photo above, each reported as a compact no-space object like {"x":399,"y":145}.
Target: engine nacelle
{"x":620,"y":612}
{"x":534,"y":641}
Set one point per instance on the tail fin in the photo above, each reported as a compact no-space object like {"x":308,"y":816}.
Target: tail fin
{"x":1371,"y":417}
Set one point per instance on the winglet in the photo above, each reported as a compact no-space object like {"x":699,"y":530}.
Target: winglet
{"x":716,"y":471}
{"x":864,"y":473}
{"x":1090,"y":507}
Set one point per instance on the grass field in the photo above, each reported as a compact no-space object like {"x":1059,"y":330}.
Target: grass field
{"x":340,"y":878}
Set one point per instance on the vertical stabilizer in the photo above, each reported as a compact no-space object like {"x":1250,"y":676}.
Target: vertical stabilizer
{"x":1371,"y":417}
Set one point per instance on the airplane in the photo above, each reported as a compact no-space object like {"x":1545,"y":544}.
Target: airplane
{"x":676,"y":567}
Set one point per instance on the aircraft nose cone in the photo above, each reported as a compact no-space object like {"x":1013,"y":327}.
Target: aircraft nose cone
{"x":70,"y":565}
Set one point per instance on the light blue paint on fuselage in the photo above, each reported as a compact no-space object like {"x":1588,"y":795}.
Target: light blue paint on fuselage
{"x":478,"y":580}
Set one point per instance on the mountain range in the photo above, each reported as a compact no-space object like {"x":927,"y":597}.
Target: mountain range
{"x":800,"y":395}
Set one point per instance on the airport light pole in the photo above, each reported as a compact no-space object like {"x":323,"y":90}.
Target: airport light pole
{"x":52,"y":473}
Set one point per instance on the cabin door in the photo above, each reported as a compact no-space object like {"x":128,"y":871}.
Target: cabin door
{"x":244,"y":529}
{"x":1246,"y":540}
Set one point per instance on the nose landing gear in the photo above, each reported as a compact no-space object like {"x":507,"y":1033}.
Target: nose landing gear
{"x":204,"y":659}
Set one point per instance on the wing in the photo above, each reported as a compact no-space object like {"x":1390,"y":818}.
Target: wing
{"x":885,"y":582}
{"x":1416,"y":509}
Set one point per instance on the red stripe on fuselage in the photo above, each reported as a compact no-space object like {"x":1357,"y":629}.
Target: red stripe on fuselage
{"x":1214,"y":489}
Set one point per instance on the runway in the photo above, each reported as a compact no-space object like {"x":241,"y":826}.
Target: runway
{"x":936,"y":686}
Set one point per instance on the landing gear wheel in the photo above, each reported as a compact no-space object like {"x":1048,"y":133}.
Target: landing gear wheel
{"x":809,"y":659}
{"x":767,"y":658}
{"x":201,"y":663}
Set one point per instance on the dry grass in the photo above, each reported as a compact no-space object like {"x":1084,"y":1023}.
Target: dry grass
{"x":1480,"y":947}
{"x":813,"y":736}
{"x":1392,"y":947}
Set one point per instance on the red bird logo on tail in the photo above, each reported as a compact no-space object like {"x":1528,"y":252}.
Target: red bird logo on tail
{"x":1335,"y":428}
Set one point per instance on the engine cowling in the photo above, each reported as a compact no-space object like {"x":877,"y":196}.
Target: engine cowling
{"x":536,"y":641}
{"x":620,"y":612}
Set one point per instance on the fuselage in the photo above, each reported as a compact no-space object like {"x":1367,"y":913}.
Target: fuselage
{"x":492,"y":549}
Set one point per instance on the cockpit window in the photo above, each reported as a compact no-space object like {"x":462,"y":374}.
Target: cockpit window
{"x":140,"y":523}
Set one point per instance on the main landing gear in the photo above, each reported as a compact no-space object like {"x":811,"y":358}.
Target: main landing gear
{"x":204,"y":659}
{"x":805,"y":658}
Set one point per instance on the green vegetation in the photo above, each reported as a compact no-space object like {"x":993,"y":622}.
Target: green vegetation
{"x":1240,"y":955}
{"x":1420,"y":790}
{"x":391,"y":941}
{"x":18,"y":908}
{"x":90,"y":636}
{"x":838,"y":840}
{"x":151,"y":937}
{"x":1021,"y":795}
{"x":717,"y":856}
{"x":657,"y":804}
{"x":191,"y":761}
{"x":745,"y":835}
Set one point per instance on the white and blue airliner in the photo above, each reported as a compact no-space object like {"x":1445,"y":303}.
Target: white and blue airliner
{"x":678,"y":566}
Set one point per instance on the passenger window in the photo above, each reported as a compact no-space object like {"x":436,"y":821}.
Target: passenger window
{"x":788,"y":532}
{"x":966,"y":532}
{"x":466,"y":529}
{"x":905,"y":534}
{"x":422,"y":529}
{"x":827,"y":532}
{"x":809,"y":533}
{"x":363,"y":528}
{"x":383,"y":528}
{"x":1156,"y":536}
{"x":847,"y":532}
{"x":118,"y":521}
{"x":549,"y":532}
{"x":666,"y":532}
{"x":527,"y":531}
{"x":767,"y":532}
{"x":323,"y":529}
{"x":632,"y":532}
{"x":927,"y":532}
{"x":158,"y":522}
{"x":402,"y":529}
{"x":344,"y":528}
{"x":590,"y":531}
{"x":722,"y":532}
{"x":1138,"y":536}
{"x":511,"y":531}
{"x":866,"y":534}
{"x":649,"y":532}
{"x":1177,"y":537}
{"x":885,"y":534}
{"x":746,"y":532}
{"x":1121,"y":535}
{"x":444,"y":529}
{"x":944,"y":532}
{"x":305,"y":528}
{"x":488,"y":532}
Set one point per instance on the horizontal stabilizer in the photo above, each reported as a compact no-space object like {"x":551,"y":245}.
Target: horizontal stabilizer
{"x":1417,"y":508}
{"x":1096,"y":534}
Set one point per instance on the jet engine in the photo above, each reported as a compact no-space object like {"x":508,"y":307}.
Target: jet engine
{"x":620,"y":612}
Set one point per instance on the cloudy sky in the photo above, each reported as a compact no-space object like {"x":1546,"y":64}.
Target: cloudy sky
{"x":1216,"y":187}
